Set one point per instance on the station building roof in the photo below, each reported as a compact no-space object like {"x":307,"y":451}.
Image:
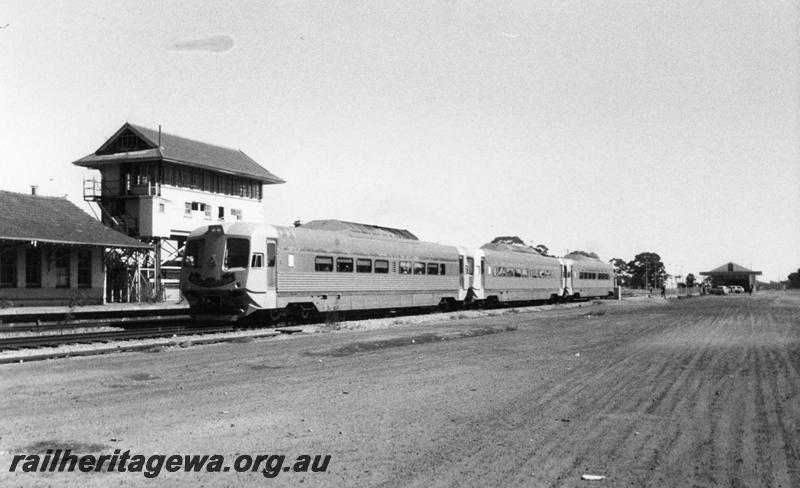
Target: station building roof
{"x":134,"y":143}
{"x":729,"y":268}
{"x":55,"y":220}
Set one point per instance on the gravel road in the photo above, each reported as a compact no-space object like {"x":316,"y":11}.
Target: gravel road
{"x":691,"y":392}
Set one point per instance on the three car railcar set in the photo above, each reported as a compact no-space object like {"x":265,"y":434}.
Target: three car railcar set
{"x":235,"y":270}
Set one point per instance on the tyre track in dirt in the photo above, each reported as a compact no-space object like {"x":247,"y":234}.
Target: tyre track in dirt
{"x":682,"y":421}
{"x":696,"y":392}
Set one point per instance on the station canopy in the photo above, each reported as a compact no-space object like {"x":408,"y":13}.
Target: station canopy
{"x":729,"y":269}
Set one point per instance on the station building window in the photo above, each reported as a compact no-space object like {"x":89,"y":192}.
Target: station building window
{"x":8,"y":267}
{"x":84,"y":269}
{"x":62,"y":269}
{"x":33,"y":268}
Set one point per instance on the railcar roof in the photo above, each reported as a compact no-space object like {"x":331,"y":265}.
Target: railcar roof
{"x":362,"y":229}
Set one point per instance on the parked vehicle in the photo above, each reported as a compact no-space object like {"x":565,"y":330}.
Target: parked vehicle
{"x":720,"y":290}
{"x":736,"y":289}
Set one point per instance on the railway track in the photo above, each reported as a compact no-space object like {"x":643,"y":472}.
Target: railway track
{"x":47,"y":346}
{"x":53,"y":340}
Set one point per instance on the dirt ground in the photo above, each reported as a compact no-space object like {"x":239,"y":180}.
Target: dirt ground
{"x":691,"y":392}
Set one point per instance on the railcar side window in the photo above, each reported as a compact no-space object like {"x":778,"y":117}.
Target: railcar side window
{"x":405,"y":267}
{"x":441,"y":269}
{"x":419,"y":268}
{"x":433,"y":268}
{"x":236,"y":252}
{"x":257,"y":261}
{"x":344,"y":265}
{"x":323,"y":263}
{"x":363,"y":266}
{"x":381,"y":266}
{"x":194,"y":250}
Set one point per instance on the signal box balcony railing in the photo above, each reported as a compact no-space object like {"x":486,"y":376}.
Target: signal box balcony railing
{"x":94,"y":190}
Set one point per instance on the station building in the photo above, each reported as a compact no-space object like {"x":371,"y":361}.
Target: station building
{"x":732,"y":274}
{"x":158,"y":187}
{"x":53,"y":253}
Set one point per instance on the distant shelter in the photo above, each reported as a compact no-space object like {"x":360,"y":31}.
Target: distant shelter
{"x":732,"y":274}
{"x":53,"y":253}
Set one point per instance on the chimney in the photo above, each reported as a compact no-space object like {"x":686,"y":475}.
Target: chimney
{"x":34,"y":189}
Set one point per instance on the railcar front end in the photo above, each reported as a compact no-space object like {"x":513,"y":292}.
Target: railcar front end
{"x":220,"y":277}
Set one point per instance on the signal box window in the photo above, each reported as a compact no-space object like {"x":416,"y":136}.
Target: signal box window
{"x":381,"y":266}
{"x":194,"y":249}
{"x":419,"y":268}
{"x":236,"y":253}
{"x":405,"y":267}
{"x":323,"y":263}
{"x":433,"y":268}
{"x":344,"y":265}
{"x":363,"y":266}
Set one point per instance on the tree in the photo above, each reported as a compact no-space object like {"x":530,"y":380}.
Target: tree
{"x":543,"y":250}
{"x":690,"y":279}
{"x":584,"y":253}
{"x":621,"y":271}
{"x":508,"y":240}
{"x":794,"y":279}
{"x":647,"y":270}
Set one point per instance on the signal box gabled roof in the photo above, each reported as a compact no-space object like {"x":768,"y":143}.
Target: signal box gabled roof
{"x":57,"y":220}
{"x":134,"y":143}
{"x":729,"y":268}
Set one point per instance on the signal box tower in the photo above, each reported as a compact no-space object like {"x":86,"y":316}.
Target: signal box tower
{"x":158,"y":187}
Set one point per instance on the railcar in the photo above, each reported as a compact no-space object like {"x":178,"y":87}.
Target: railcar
{"x":235,"y":270}
{"x":517,"y":274}
{"x":587,"y":277}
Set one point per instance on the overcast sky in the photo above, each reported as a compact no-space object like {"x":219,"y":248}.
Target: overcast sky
{"x":616,"y":127}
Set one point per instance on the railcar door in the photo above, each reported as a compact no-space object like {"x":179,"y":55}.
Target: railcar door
{"x":272,"y":273}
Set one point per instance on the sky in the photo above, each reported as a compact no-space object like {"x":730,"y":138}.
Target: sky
{"x":616,"y":127}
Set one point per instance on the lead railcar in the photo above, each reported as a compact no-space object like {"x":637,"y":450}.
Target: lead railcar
{"x":235,"y":270}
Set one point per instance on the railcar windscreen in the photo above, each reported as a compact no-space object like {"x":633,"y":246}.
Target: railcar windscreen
{"x":236,"y":253}
{"x":194,"y":251}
